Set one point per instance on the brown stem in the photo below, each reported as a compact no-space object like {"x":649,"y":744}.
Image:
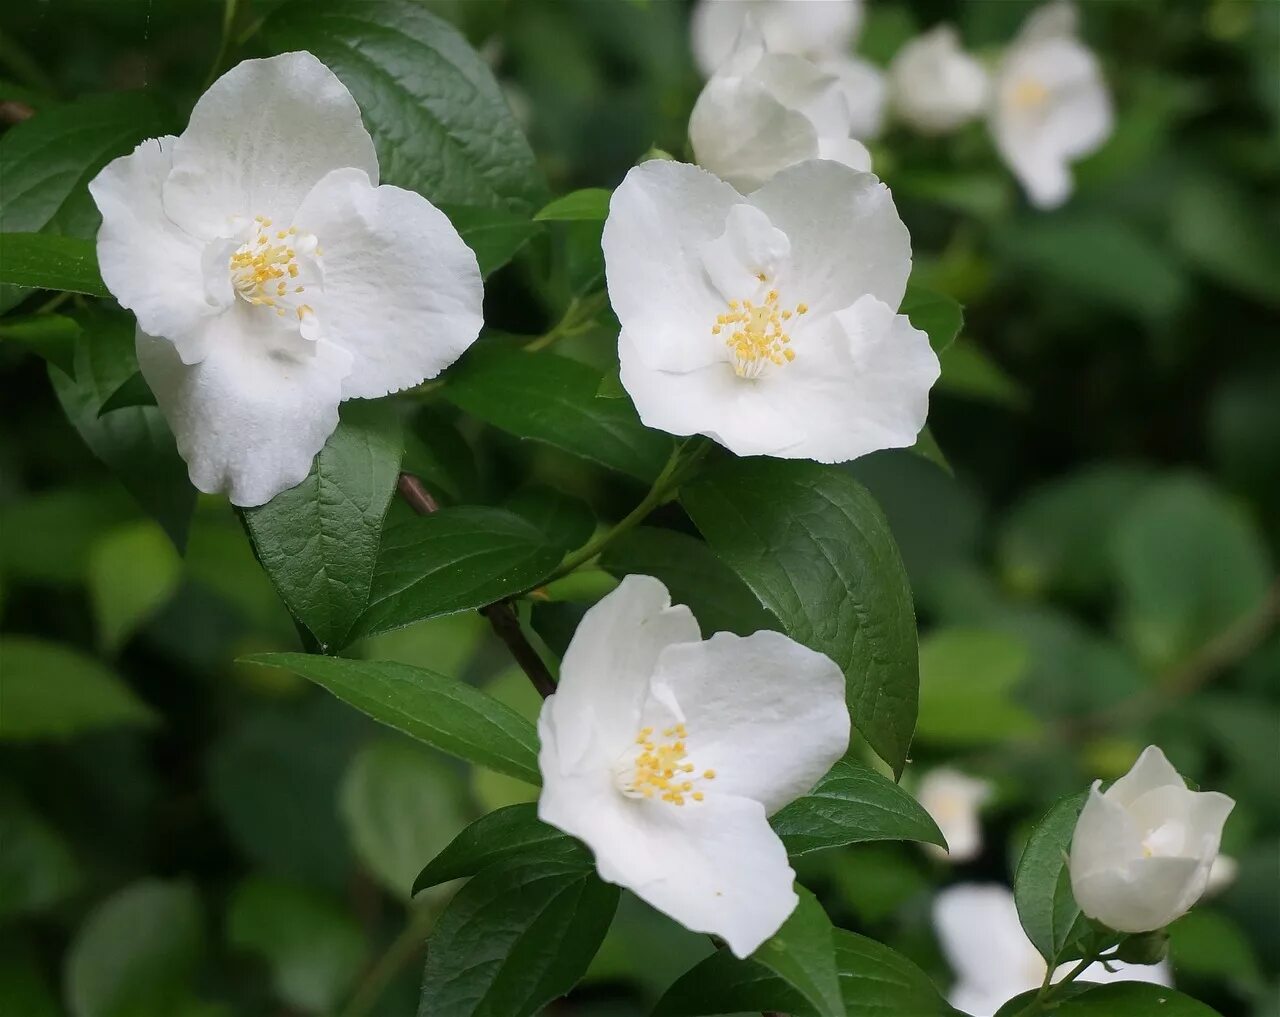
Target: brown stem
{"x":502,"y":616}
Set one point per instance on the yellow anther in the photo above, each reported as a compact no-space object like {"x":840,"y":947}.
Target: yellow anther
{"x":698,"y":796}
{"x":660,"y":768}
{"x":1029,"y":92}
{"x":756,"y":336}
{"x":293,"y":271}
{"x":802,"y":308}
{"x":762,"y":277}
{"x":282,"y":234}
{"x":709,"y":774}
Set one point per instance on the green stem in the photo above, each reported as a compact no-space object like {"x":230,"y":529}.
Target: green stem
{"x":402,"y":950}
{"x":229,"y":13}
{"x":578,"y":317}
{"x":682,"y":458}
{"x":1049,"y":989}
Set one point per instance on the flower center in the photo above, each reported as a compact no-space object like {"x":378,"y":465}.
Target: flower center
{"x":1029,"y":93}
{"x":266,"y":270}
{"x":661,"y":769}
{"x":1164,"y":841}
{"x":756,"y":333}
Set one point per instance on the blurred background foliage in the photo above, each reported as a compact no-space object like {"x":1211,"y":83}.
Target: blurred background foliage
{"x":1095,"y":570}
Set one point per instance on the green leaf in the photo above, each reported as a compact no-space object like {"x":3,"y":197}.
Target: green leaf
{"x":1042,"y":886}
{"x":514,"y":831}
{"x":50,"y":691}
{"x":440,"y":457}
{"x":439,"y":121}
{"x":136,"y":953}
{"x":442,"y":712}
{"x":319,"y":541}
{"x":1191,"y":564}
{"x":1222,"y":231}
{"x":52,"y":336}
{"x":927,"y":447}
{"x":135,"y":443}
{"x":1207,"y":944}
{"x":935,"y":314}
{"x":47,"y":538}
{"x":552,"y":399}
{"x":24,"y":988}
{"x":314,"y":947}
{"x":565,"y":521}
{"x":133,"y":391}
{"x":1119,"y":999}
{"x":967,"y":678}
{"x":815,"y":548}
{"x":875,"y":981}
{"x":494,"y":234}
{"x":47,"y":261}
{"x":851,"y":804}
{"x":590,"y":203}
{"x":400,"y":805}
{"x":695,"y":576}
{"x":802,"y":953}
{"x":457,"y":559}
{"x":133,"y":571}
{"x":968,"y":372}
{"x":1050,"y":541}
{"x":37,"y":867}
{"x":516,"y":937}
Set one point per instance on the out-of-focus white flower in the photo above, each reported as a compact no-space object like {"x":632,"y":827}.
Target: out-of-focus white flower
{"x":272,"y":278}
{"x":1142,"y":851}
{"x":978,"y":928}
{"x":1222,"y":873}
{"x":1050,"y":105}
{"x":808,"y":28}
{"x":953,"y":799}
{"x":935,"y":86}
{"x":666,"y":754}
{"x":762,"y":112}
{"x":767,"y":322}
{"x":865,"y":94}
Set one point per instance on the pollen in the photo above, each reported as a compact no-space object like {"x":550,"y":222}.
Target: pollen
{"x":755,"y":332}
{"x":1029,"y":93}
{"x":660,"y":768}
{"x":265,"y":269}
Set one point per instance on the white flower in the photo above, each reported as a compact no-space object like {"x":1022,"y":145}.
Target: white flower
{"x":935,"y":86}
{"x":865,"y":93}
{"x":270,"y":276}
{"x":762,"y":112}
{"x":1142,"y":851}
{"x":979,"y":931}
{"x":1051,"y":105}
{"x":666,"y":754}
{"x":953,"y":799}
{"x":810,"y":28}
{"x":1222,"y":873}
{"x":768,"y":322}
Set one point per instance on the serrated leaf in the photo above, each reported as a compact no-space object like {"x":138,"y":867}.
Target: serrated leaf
{"x":51,"y":691}
{"x":816,"y":550}
{"x":46,"y":261}
{"x":516,"y":937}
{"x":552,"y":399}
{"x":443,"y":712}
{"x":1042,"y":887}
{"x":802,"y":953}
{"x":589,"y":203}
{"x":513,"y":831}
{"x":494,"y":234}
{"x":935,"y":314}
{"x":695,"y":576}
{"x":457,"y":559}
{"x":566,"y":521}
{"x":439,"y":121}
{"x":319,"y":541}
{"x":135,"y":443}
{"x":875,"y":981}
{"x":852,"y":804}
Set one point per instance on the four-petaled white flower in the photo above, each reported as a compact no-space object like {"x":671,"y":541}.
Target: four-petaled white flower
{"x":1050,"y":104}
{"x":809,"y":28}
{"x":934,"y":85}
{"x":666,"y":754}
{"x":953,"y":799}
{"x":272,"y":278}
{"x":767,"y":322}
{"x":762,"y":112}
{"x":1143,"y":850}
{"x":978,"y":929}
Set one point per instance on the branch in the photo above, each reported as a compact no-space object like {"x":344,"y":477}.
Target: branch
{"x":502,"y":616}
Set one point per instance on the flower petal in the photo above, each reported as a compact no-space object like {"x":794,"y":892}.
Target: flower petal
{"x":763,"y":712}
{"x":808,"y":27}
{"x":711,"y":400}
{"x":605,"y":673}
{"x":748,"y":248}
{"x":151,"y":267}
{"x":714,"y":866}
{"x":859,"y":383}
{"x":865,"y":92}
{"x":846,"y":237}
{"x":1151,"y":770}
{"x":260,"y":138}
{"x":660,"y":217}
{"x":1105,"y":836}
{"x":252,"y":415}
{"x":1144,"y":895}
{"x":402,"y":292}
{"x":979,"y":931}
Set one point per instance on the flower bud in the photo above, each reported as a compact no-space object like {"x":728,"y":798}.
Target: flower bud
{"x":1142,"y":851}
{"x":1148,"y":948}
{"x":935,"y":86}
